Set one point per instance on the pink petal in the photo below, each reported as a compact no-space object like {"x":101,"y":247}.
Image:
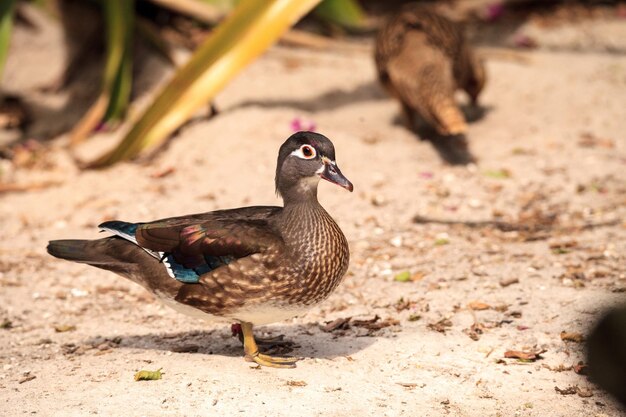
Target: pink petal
{"x":493,"y":12}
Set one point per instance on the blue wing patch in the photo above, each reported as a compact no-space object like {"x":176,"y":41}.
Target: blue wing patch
{"x":192,"y":275}
{"x":174,"y":269}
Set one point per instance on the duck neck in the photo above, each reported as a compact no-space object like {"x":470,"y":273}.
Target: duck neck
{"x":301,"y":220}
{"x":301,"y":192}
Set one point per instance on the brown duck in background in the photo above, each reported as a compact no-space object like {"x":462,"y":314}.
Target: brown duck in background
{"x":422,"y":58}
{"x":254,"y":265}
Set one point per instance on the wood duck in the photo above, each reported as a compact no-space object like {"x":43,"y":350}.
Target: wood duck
{"x":253,"y":265}
{"x":422,"y":58}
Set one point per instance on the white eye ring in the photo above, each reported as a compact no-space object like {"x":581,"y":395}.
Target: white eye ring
{"x":305,"y":152}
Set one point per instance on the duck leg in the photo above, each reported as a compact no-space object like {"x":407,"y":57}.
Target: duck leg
{"x":252,"y":351}
{"x":269,"y":343}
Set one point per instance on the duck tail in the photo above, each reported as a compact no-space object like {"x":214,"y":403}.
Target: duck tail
{"x":83,"y":251}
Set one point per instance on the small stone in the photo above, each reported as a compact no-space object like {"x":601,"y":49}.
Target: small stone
{"x":475,"y":203}
{"x":396,"y":242}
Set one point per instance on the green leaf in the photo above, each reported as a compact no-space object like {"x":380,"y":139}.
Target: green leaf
{"x":441,"y":241}
{"x":252,"y":28}
{"x":345,"y":13}
{"x":560,"y":251}
{"x":498,"y":173}
{"x":414,"y":317}
{"x":120,"y":17}
{"x":117,"y":80}
{"x":404,"y":276}
{"x":6,"y":24}
{"x":148,"y":375}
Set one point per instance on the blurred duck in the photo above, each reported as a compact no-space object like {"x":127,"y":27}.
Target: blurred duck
{"x":422,"y":58}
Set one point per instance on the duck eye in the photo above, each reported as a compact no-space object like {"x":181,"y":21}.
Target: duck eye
{"x":307,"y":151}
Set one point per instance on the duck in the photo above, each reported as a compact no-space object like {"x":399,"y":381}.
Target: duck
{"x":249,"y":265}
{"x":421,"y":58}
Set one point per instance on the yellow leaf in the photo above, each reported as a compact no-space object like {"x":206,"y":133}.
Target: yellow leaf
{"x":478,"y":305}
{"x":252,"y":28}
{"x":62,"y":328}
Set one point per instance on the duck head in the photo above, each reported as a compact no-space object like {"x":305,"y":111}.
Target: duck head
{"x":304,"y":159}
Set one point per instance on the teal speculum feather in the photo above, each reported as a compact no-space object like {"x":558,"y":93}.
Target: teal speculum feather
{"x":183,"y":270}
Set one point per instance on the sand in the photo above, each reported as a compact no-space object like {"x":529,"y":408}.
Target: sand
{"x":543,"y":208}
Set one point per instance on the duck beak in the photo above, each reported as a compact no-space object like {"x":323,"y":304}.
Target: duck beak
{"x":332,"y":173}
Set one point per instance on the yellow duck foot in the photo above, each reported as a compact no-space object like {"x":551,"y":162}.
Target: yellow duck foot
{"x":272,"y":361}
{"x":251,"y":349}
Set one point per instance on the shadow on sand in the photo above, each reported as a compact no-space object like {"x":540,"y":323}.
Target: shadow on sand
{"x":452,"y":149}
{"x":330,"y":100}
{"x":303,"y":341}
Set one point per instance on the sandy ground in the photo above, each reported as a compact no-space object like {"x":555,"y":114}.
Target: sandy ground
{"x":543,"y":207}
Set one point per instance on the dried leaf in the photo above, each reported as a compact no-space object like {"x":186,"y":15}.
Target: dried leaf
{"x":62,"y":328}
{"x":559,"y":368}
{"x":163,"y":172}
{"x":508,"y":281}
{"x":501,"y":308}
{"x":403,"y":304}
{"x":572,"y":337}
{"x":189,"y":348}
{"x":559,"y":248}
{"x":440,"y":326}
{"x":571,"y":390}
{"x":418,"y":276}
{"x":414,"y":317}
{"x":478,"y":305}
{"x":26,"y":379}
{"x":342,"y":323}
{"x":407,"y":384}
{"x":584,"y":392}
{"x":366,"y":322}
{"x":474,"y":331}
{"x":374,"y":323}
{"x":148,"y":375}
{"x":529,"y":356}
{"x":580,"y":368}
{"x":589,"y":140}
{"x":297,"y":383}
